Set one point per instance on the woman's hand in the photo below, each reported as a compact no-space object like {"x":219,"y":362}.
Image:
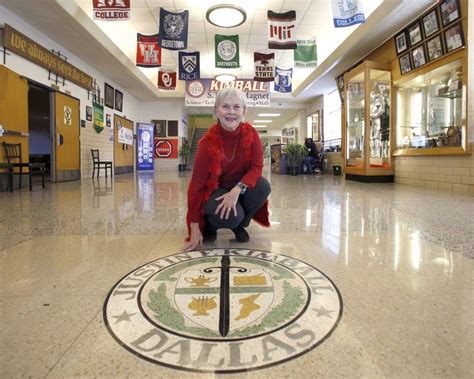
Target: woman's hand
{"x":195,"y":240}
{"x":228,"y":203}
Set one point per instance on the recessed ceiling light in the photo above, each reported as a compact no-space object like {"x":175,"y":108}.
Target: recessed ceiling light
{"x":268,"y":114}
{"x":263,"y":121}
{"x":226,"y":15}
{"x":225,"y":78}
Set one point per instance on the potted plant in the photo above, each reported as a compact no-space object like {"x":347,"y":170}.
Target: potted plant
{"x":183,"y":155}
{"x":296,"y":152}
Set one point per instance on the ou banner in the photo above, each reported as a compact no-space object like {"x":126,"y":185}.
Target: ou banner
{"x":166,"y":148}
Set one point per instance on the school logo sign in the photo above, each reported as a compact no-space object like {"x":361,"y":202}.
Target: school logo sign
{"x":223,"y":310}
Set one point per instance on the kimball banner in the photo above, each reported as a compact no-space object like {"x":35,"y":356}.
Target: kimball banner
{"x":98,"y":117}
{"x":264,"y":67}
{"x":148,"y":50}
{"x":283,"y":79}
{"x":173,"y":30}
{"x":281,"y":30}
{"x":145,"y":146}
{"x":189,"y":65}
{"x":203,"y":92}
{"x":227,"y":51}
{"x":347,"y":13}
{"x":305,"y":55}
{"x":111,"y":10}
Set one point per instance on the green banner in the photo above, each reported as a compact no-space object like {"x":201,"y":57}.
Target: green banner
{"x":227,"y":51}
{"x":98,"y":117}
{"x":305,"y":55}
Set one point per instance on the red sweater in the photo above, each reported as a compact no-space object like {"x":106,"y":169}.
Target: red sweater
{"x":223,"y":159}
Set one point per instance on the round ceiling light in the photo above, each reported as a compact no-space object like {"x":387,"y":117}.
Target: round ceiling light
{"x":225,"y":78}
{"x":226,"y":15}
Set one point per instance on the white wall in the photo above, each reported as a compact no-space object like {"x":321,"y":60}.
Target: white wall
{"x":470,"y":60}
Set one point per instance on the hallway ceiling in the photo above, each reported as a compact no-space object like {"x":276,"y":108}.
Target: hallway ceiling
{"x":109,"y":47}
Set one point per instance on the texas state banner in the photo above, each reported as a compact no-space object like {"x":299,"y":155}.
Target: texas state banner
{"x":264,"y":67}
{"x":173,"y":30}
{"x":148,"y":51}
{"x":111,"y":10}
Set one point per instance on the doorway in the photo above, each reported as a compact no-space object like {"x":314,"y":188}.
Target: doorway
{"x":39,"y":125}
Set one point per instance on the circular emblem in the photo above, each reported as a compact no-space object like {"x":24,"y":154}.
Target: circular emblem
{"x":227,"y":50}
{"x":173,"y":25}
{"x":222,"y":310}
{"x":195,"y":88}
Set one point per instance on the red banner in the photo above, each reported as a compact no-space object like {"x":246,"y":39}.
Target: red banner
{"x":111,"y":10}
{"x":166,"y":148}
{"x":167,"y":80}
{"x":148,"y":51}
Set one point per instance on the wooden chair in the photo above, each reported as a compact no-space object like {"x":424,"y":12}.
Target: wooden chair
{"x":98,"y":164}
{"x":14,"y":159}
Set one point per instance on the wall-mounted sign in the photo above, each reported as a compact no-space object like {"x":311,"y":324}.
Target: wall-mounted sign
{"x":67,"y":115}
{"x":145,"y":146}
{"x":20,"y":44}
{"x":125,"y":135}
{"x":166,"y":148}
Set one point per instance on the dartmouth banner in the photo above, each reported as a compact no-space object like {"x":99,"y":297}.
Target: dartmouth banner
{"x":227,"y":51}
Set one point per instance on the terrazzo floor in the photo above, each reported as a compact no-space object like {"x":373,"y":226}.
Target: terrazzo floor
{"x":400,"y":256}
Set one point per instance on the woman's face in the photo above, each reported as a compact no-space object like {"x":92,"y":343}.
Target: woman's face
{"x":230,"y":113}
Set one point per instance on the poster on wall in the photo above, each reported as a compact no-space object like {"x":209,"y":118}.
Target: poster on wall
{"x":125,"y":135}
{"x":98,"y":117}
{"x":145,"y":146}
{"x":166,"y":148}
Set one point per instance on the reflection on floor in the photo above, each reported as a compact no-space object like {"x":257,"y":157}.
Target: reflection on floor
{"x":401,"y":257}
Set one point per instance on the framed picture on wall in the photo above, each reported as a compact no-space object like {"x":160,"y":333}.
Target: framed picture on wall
{"x":401,"y":43}
{"x":118,"y":100}
{"x":414,"y":33}
{"x":172,"y":128}
{"x":88,"y":113}
{"x":419,"y":56}
{"x":434,"y":47}
{"x":450,"y":11}
{"x":405,"y":63}
{"x":160,"y":127}
{"x":109,"y":96}
{"x":430,"y":23}
{"x":454,"y":37}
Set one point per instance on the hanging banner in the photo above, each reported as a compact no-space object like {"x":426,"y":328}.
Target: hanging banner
{"x":281,"y":30}
{"x":347,"y":13}
{"x":111,"y":10}
{"x":283,"y":79}
{"x":167,"y":80}
{"x":264,"y":67}
{"x":173,"y":30}
{"x":227,"y":51}
{"x":148,"y":50}
{"x":305,"y":55}
{"x":203,"y":92}
{"x":166,"y":148}
{"x":145,"y":146}
{"x":189,"y":65}
{"x":98,"y":117}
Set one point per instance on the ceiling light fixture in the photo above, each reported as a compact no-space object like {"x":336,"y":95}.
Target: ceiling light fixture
{"x":268,"y":114}
{"x":263,"y":121}
{"x":226,"y":15}
{"x":225,"y":78}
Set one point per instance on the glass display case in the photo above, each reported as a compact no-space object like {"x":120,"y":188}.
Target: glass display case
{"x":367,"y":114}
{"x":430,"y":112}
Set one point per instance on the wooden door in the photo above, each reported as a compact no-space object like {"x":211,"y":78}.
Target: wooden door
{"x":67,"y":165}
{"x":123,"y":153}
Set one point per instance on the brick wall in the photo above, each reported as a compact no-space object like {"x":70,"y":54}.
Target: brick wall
{"x":452,"y":173}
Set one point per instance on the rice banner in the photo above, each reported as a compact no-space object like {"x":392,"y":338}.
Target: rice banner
{"x":189,"y":65}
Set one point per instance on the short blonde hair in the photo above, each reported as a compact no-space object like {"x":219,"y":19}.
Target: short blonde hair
{"x":225,"y":93}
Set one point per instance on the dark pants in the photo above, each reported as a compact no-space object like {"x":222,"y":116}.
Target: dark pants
{"x":247,"y":205}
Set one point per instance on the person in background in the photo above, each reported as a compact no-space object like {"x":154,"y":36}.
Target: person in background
{"x":227,"y":189}
{"x":312,"y":155}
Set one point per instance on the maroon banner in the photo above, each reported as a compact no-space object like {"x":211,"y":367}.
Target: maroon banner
{"x":281,"y":30}
{"x":166,"y":148}
{"x":264,"y":67}
{"x":167,"y":80}
{"x":111,"y":10}
{"x":148,"y":50}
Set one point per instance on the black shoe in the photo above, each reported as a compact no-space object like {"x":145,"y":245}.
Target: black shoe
{"x":241,"y":234}
{"x":209,"y":234}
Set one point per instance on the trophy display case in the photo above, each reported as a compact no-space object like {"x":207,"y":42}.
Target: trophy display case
{"x":366,"y":140}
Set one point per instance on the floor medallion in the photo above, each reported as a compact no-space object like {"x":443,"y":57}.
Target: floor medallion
{"x":223,"y":310}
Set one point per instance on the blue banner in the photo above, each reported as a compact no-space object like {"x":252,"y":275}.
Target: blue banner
{"x":347,"y":13}
{"x":173,"y":30}
{"x":189,"y":65}
{"x":145,"y":146}
{"x":283,"y":79}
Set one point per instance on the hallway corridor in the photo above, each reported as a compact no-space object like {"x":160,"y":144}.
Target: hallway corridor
{"x":401,"y":258}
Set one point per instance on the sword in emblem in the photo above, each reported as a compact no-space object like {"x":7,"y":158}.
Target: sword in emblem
{"x":224,"y":308}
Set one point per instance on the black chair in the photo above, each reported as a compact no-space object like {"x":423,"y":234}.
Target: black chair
{"x":98,"y":164}
{"x":14,"y":159}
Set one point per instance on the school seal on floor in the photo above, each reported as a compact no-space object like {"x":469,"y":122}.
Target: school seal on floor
{"x":223,"y":310}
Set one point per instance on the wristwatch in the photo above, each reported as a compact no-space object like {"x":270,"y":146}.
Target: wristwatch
{"x":242,"y":187}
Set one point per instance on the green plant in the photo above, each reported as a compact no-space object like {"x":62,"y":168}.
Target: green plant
{"x":184,"y":151}
{"x":296,"y":153}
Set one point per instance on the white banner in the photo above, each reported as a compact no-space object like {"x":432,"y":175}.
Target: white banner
{"x":125,"y":135}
